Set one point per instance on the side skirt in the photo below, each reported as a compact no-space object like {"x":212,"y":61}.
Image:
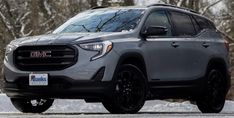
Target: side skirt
{"x":176,"y":89}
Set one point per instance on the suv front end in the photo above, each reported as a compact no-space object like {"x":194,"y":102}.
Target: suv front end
{"x":74,"y":71}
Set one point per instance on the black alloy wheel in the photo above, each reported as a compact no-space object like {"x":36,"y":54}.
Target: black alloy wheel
{"x":129,"y":91}
{"x":213,"y":99}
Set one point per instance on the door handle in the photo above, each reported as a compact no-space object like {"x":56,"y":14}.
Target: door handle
{"x":206,"y":45}
{"x":174,"y":44}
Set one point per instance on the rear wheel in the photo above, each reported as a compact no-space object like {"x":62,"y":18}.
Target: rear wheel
{"x":129,"y":91}
{"x":32,"y":105}
{"x":213,"y":99}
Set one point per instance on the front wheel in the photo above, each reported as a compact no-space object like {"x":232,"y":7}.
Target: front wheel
{"x":129,"y":91}
{"x":213,"y":99}
{"x":32,"y":105}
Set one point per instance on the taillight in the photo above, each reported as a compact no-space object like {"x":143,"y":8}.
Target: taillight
{"x":226,"y":40}
{"x":226,"y":43}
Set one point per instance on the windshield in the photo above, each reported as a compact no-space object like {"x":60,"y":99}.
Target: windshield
{"x":103,"y":20}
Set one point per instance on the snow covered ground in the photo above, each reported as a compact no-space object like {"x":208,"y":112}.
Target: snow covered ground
{"x":79,"y":106}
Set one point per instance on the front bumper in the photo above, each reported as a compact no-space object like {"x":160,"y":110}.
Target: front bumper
{"x":58,"y":87}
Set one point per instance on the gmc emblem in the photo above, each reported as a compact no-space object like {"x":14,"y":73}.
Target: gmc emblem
{"x":40,"y":54}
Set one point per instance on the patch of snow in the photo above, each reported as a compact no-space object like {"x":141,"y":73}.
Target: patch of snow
{"x":5,"y":104}
{"x":71,"y":106}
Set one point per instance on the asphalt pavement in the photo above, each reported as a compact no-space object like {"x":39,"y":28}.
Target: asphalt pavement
{"x":105,"y":115}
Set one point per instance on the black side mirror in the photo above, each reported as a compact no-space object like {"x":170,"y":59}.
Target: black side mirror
{"x":155,"y":31}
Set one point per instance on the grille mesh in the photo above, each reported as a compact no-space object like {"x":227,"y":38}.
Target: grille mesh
{"x":57,"y":57}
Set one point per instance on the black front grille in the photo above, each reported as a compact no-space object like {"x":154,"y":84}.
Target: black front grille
{"x":33,"y":58}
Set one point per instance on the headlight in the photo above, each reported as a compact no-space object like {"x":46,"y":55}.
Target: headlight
{"x":101,"y":47}
{"x":8,"y":50}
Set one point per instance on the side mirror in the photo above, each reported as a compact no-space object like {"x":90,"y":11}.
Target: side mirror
{"x":155,"y":31}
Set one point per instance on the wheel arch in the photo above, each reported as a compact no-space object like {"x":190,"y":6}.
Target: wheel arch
{"x":220,"y":64}
{"x":134,"y":58}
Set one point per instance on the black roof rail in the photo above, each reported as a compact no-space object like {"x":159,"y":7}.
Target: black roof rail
{"x":99,"y":7}
{"x":168,"y":5}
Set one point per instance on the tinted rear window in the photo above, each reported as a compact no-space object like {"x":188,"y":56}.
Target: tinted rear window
{"x":182,"y":24}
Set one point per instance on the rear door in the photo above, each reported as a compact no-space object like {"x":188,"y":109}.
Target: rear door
{"x":192,"y":52}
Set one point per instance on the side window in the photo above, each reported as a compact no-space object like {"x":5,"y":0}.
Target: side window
{"x":182,"y":24}
{"x":204,"y":24}
{"x":196,"y":26}
{"x":212,"y":25}
{"x":159,"y":18}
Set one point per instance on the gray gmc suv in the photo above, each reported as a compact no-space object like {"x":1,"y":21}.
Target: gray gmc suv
{"x":121,"y":57}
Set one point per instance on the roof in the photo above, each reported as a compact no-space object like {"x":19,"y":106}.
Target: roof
{"x":173,"y":6}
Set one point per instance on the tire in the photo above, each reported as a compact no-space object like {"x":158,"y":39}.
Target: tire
{"x":129,"y":91}
{"x":213,"y":99}
{"x":32,"y":106}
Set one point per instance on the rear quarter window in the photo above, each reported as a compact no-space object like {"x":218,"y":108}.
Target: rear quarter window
{"x":204,"y":23}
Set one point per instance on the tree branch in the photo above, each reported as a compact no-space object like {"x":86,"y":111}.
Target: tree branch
{"x":7,"y":24}
{"x":180,"y":3}
{"x":209,"y":6}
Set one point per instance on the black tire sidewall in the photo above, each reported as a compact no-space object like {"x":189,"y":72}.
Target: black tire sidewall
{"x":112,"y":104}
{"x":203,"y":103}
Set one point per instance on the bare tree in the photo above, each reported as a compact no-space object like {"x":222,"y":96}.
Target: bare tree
{"x":105,"y":3}
{"x":93,"y":3}
{"x":128,"y":2}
